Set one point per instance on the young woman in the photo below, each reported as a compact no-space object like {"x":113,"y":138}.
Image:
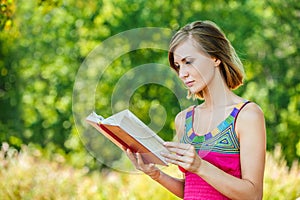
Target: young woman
{"x":222,"y":141}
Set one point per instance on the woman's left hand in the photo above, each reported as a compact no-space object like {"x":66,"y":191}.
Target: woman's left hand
{"x":183,"y":155}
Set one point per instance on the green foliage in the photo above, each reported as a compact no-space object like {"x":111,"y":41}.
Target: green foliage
{"x":43,"y":43}
{"x":6,"y":14}
{"x":27,"y":175}
{"x":274,"y":60}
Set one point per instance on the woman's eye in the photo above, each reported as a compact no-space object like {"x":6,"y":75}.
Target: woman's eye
{"x":188,"y":62}
{"x":177,"y":66}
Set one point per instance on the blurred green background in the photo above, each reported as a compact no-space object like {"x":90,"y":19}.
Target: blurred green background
{"x":44,"y":42}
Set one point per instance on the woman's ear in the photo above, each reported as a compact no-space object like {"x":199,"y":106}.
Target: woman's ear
{"x":217,"y":62}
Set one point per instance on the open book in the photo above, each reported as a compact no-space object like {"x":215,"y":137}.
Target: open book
{"x":127,"y":131}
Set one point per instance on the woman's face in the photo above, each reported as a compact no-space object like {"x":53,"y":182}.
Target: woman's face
{"x":195,"y":68}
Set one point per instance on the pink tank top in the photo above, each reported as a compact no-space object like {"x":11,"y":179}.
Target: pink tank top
{"x":220,"y":147}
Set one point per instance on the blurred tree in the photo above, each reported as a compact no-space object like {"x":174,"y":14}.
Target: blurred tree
{"x":7,"y":8}
{"x":47,"y":41}
{"x":10,"y":96}
{"x":273,"y":78}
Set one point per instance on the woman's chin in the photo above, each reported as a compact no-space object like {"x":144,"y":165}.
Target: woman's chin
{"x":194,"y":91}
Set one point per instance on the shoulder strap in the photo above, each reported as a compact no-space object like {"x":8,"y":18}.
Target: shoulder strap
{"x":189,"y":119}
{"x":237,"y":108}
{"x":240,"y":107}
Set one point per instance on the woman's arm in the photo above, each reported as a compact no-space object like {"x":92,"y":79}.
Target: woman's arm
{"x":250,"y":127}
{"x":174,"y":185}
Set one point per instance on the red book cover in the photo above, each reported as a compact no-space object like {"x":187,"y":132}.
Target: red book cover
{"x":126,"y":131}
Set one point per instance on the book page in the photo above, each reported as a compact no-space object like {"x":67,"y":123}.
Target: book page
{"x":138,"y":130}
{"x":133,"y":127}
{"x":115,"y":119}
{"x":93,"y":117}
{"x":127,"y":119}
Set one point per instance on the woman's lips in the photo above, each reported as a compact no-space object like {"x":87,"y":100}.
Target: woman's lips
{"x":189,"y":83}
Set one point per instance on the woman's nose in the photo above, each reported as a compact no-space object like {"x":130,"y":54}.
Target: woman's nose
{"x":183,"y":73}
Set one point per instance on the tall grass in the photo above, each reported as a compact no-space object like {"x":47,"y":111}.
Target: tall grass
{"x":27,"y":175}
{"x":281,"y":182}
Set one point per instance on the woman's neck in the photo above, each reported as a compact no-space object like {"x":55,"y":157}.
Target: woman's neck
{"x":217,"y":93}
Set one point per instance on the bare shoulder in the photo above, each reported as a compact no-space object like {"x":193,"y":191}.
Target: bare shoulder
{"x":251,"y":131}
{"x":180,"y":122}
{"x":251,"y":111}
{"x":181,"y":115}
{"x":250,"y":119}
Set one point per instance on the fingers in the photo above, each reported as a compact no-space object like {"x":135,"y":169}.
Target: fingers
{"x":137,"y":160}
{"x":149,"y":169}
{"x":190,"y":152}
{"x":177,"y":145}
{"x":183,"y":155}
{"x":180,"y":148}
{"x":189,"y":163}
{"x":131,"y":157}
{"x":140,"y":159}
{"x":171,"y":158}
{"x":176,"y":162}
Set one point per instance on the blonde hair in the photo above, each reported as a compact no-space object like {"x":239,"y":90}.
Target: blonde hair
{"x":211,"y":40}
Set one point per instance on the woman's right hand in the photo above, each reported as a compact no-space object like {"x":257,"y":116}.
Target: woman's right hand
{"x":149,"y":169}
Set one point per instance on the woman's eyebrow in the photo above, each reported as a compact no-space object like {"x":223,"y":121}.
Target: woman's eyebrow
{"x":184,"y":58}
